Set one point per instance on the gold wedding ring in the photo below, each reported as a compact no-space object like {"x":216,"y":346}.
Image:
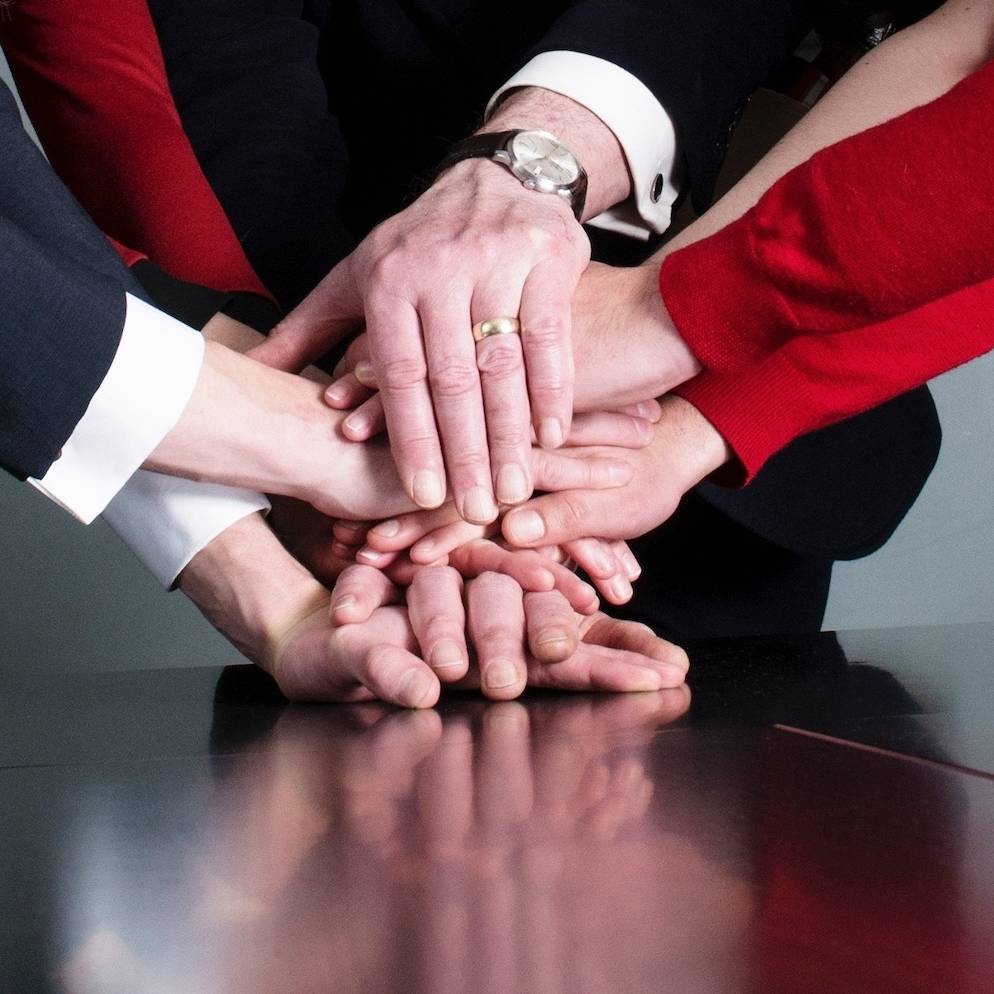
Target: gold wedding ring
{"x":496,"y":326}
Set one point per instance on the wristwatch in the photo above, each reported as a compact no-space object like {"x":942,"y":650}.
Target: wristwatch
{"x":540,"y":160}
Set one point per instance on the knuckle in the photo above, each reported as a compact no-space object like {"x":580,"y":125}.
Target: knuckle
{"x":547,"y":330}
{"x":453,"y":376}
{"x":402,"y":374}
{"x":572,"y":509}
{"x":498,"y":360}
{"x":509,"y":433}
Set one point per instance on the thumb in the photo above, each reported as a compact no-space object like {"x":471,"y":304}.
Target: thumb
{"x":329,"y":313}
{"x":562,"y":517}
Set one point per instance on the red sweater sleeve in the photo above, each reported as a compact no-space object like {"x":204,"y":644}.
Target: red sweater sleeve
{"x":93,"y":81}
{"x":858,"y":276}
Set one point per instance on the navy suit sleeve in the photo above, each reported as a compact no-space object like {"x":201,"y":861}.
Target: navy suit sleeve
{"x":62,"y":304}
{"x":701,"y":58}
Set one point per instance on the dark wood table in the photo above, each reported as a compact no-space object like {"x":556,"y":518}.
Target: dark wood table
{"x":818,"y":817}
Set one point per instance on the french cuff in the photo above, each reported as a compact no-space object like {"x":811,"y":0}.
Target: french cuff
{"x":166,"y":521}
{"x":630,"y":109}
{"x":141,"y":398}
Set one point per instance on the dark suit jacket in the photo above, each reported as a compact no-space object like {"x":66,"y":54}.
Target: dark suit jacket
{"x":62,"y":304}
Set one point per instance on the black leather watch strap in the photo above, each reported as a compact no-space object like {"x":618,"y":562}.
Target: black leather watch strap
{"x":481,"y":146}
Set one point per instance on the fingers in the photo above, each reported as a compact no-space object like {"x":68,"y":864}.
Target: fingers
{"x":330,"y":312}
{"x":496,"y":626}
{"x":556,"y":519}
{"x":500,"y":360}
{"x":346,"y":393}
{"x":359,"y":591}
{"x":551,"y":626}
{"x":546,"y":322}
{"x":368,"y":420}
{"x":632,"y":638}
{"x":435,"y":606}
{"x":397,"y":676}
{"x":564,"y":470}
{"x":395,"y":341}
{"x":602,"y":563}
{"x":459,"y":412}
{"x":610,"y":428}
{"x":530,"y":570}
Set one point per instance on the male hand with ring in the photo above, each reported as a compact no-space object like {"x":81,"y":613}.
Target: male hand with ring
{"x":480,"y":245}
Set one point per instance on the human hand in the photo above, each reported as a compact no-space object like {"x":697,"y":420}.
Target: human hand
{"x":625,"y":347}
{"x":686,"y":448}
{"x":441,"y":536}
{"x":475,"y":633}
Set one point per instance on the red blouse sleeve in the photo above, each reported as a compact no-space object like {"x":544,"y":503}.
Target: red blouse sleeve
{"x":858,"y":276}
{"x":93,"y":81}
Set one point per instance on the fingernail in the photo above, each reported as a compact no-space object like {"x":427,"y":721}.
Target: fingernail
{"x":644,"y":429}
{"x":525,"y":526}
{"x":423,"y":552}
{"x":621,"y":588}
{"x":370,"y":556}
{"x":363,"y":372}
{"x":334,"y":395}
{"x":603,"y":561}
{"x":619,"y":473}
{"x":343,"y":603}
{"x":413,"y":688}
{"x":550,"y":433}
{"x":632,"y":566}
{"x":427,"y":488}
{"x":512,"y":484}
{"x":341,"y":550}
{"x":500,"y":675}
{"x":478,"y":506}
{"x":446,"y":655}
{"x":386,"y":529}
{"x":357,"y":423}
{"x":556,"y":644}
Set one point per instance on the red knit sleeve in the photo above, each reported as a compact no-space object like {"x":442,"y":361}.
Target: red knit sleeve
{"x":869,"y":228}
{"x":815,"y":381}
{"x":93,"y":81}
{"x":859,"y":275}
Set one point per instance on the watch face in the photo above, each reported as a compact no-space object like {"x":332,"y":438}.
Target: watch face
{"x":539,"y":157}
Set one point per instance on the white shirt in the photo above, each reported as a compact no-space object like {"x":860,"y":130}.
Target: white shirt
{"x":166,"y":520}
{"x":639,"y":122}
{"x":163,"y":519}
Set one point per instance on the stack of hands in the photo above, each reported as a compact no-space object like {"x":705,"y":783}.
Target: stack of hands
{"x":507,"y":458}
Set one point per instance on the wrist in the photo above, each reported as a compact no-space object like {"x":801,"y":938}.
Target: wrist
{"x":250,"y":589}
{"x":592,"y":142}
{"x":700,"y":447}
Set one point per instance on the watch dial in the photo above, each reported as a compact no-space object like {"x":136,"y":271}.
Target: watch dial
{"x":543,"y":158}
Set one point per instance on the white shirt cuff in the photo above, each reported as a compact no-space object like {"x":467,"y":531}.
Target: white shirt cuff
{"x":139,"y":401}
{"x":639,"y":122}
{"x":166,"y":520}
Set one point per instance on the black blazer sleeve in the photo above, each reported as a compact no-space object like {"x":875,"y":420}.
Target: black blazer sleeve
{"x":62,"y":304}
{"x":701,"y":58}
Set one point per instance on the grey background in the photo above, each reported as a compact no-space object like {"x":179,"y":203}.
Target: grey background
{"x":69,"y":592}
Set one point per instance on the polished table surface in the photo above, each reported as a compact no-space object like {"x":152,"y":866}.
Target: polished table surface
{"x":816,"y":815}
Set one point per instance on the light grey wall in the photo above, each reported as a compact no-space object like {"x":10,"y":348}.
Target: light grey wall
{"x":939,"y":566}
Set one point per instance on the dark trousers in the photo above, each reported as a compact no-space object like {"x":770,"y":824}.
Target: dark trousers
{"x":314,"y":120}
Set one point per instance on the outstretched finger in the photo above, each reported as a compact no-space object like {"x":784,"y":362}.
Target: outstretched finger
{"x":551,"y":625}
{"x":358,"y":592}
{"x":496,"y":626}
{"x":328,"y":314}
{"x":610,"y":428}
{"x":564,"y":470}
{"x":438,"y":618}
{"x":366,"y":421}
